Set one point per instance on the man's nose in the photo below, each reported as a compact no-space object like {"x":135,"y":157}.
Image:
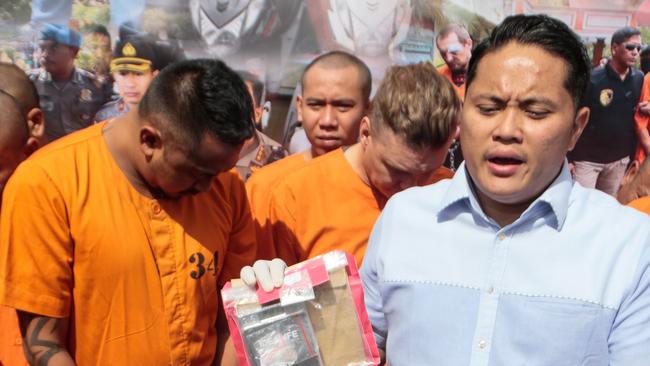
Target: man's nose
{"x":328,"y":118}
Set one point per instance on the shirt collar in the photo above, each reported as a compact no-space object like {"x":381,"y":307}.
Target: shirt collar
{"x":460,"y":197}
{"x":77,"y":78}
{"x":611,"y":73}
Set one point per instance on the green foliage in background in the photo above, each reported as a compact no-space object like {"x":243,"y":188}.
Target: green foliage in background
{"x":91,"y":14}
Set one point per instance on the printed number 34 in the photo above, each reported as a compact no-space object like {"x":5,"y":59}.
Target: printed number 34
{"x":198,"y":260}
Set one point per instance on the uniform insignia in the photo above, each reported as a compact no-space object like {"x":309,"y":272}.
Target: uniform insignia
{"x":222,"y":12}
{"x":606,"y":96}
{"x":128,"y":50}
{"x":86,"y":95}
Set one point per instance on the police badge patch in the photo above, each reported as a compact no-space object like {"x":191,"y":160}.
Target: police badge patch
{"x":606,"y":96}
{"x":86,"y":95}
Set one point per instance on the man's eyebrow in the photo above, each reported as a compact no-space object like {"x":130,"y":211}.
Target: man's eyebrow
{"x":525,"y":102}
{"x":537,"y":101}
{"x":343,"y":101}
{"x":314,"y":99}
{"x":490,"y":97}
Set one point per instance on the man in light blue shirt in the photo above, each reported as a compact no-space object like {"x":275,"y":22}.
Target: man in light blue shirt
{"x":511,"y":262}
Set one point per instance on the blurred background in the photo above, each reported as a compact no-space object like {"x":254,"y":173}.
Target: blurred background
{"x":276,"y":39}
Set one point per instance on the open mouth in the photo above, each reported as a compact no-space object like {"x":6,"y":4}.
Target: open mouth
{"x":505,"y":161}
{"x":504,"y":166}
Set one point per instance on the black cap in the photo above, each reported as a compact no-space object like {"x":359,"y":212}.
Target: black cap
{"x":134,"y":54}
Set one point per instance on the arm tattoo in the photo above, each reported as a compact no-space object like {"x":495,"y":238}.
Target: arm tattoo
{"x":41,"y":338}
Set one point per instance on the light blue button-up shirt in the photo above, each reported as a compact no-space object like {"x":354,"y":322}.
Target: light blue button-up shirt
{"x":567,"y":283}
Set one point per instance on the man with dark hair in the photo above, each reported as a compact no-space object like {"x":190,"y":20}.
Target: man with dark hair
{"x":69,"y":96}
{"x":134,"y":66}
{"x":335,"y":97}
{"x":260,"y":149}
{"x":455,"y":47}
{"x":333,"y":201}
{"x":511,"y":262}
{"x":116,"y":239}
{"x":96,"y":47}
{"x":22,"y":132}
{"x":604,"y":149}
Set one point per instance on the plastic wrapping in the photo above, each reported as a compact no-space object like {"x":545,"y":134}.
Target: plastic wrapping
{"x":316,"y":318}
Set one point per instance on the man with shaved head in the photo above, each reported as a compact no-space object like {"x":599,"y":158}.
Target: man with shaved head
{"x":335,"y":97}
{"x":21,"y":124}
{"x":22,"y":131}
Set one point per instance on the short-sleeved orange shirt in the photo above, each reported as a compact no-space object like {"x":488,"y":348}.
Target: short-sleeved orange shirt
{"x":11,"y":348}
{"x":642,"y":204}
{"x":325,"y":206}
{"x":259,"y":187}
{"x":138,"y":277}
{"x":446,"y":72}
{"x":641,"y":120}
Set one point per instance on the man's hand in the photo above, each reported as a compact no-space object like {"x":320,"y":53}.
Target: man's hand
{"x":644,"y":108}
{"x":269,"y":274}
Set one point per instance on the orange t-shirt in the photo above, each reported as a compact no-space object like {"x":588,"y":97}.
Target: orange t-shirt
{"x":11,"y":344}
{"x":259,"y":187}
{"x":138,"y":277}
{"x":641,"y":120}
{"x":324,"y":206}
{"x":642,"y":204}
{"x":446,"y":72}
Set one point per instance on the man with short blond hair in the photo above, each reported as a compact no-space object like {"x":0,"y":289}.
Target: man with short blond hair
{"x":333,"y":201}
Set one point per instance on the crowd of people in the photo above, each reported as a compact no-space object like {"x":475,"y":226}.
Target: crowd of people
{"x":485,"y":200}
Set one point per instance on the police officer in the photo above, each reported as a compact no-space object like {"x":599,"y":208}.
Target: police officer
{"x":69,"y":96}
{"x":260,"y":149}
{"x":134,"y":66}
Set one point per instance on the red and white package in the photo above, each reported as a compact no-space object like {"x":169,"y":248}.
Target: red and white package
{"x":317,"y":317}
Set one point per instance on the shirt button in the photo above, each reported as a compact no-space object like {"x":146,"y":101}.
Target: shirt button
{"x":490,"y":290}
{"x":501,"y":236}
{"x":482,"y":344}
{"x":155,"y":207}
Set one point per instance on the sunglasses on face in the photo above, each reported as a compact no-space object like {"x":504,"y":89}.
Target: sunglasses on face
{"x":632,"y":46}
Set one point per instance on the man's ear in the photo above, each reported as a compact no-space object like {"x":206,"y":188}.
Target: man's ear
{"x":579,"y":123}
{"x":364,"y":132}
{"x":299,"y":107}
{"x":36,"y":131}
{"x":150,"y":140}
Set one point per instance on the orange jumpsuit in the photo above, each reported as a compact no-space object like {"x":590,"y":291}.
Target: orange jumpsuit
{"x":138,"y":277}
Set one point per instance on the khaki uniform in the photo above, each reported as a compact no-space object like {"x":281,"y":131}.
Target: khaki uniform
{"x":112,"y":109}
{"x":265,"y":152}
{"x":69,"y":106}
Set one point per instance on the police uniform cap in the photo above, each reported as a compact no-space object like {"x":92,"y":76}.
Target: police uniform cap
{"x":61,"y":34}
{"x":135,"y":54}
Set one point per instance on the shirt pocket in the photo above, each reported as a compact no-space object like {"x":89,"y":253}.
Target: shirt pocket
{"x":551,"y":331}
{"x":87,"y":103}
